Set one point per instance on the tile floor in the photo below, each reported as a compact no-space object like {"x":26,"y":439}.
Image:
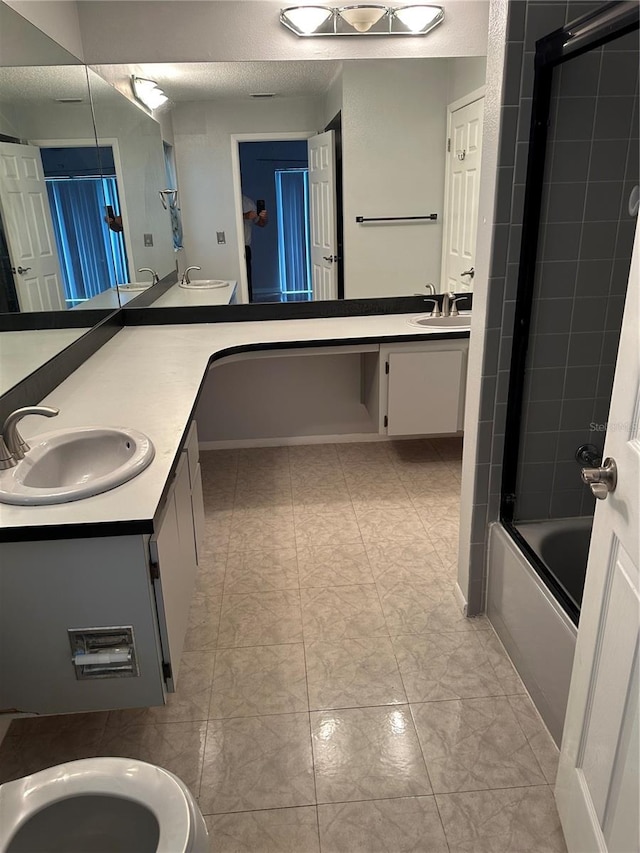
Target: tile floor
{"x":332,"y":697}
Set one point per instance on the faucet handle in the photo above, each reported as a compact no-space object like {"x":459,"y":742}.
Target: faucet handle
{"x":454,"y":308}
{"x":436,"y":307}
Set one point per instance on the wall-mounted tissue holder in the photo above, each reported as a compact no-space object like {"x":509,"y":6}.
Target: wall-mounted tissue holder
{"x":103,"y":652}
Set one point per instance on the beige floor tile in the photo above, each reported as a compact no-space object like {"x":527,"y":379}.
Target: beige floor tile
{"x":257,"y":763}
{"x":540,"y":741}
{"x":219,"y":497}
{"x":448,"y":447}
{"x":353,"y":673}
{"x":28,"y":752}
{"x":217,"y":528}
{"x":372,"y":491}
{"x":260,"y":619}
{"x":504,"y":669}
{"x":259,"y":532}
{"x":333,"y":498}
{"x":262,"y":571}
{"x":278,"y":498}
{"x":445,"y":666}
{"x":474,"y":744}
{"x":404,"y":825}
{"x":342,"y":612}
{"x":367,"y":754}
{"x":406,"y":562}
{"x":58,"y":724}
{"x":190,"y":701}
{"x":421,"y":608}
{"x":369,"y":479}
{"x":211,"y":569}
{"x":514,"y":820}
{"x":204,"y":619}
{"x":263,"y":457}
{"x":412,"y":450}
{"x":390,"y":525}
{"x":178,"y":747}
{"x":368,"y":452}
{"x":315,"y":528}
{"x":262,"y":680}
{"x":293,"y":830}
{"x":301,"y":455}
{"x":333,"y":565}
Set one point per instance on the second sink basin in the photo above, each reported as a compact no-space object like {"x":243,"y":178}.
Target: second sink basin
{"x":204,"y":283}
{"x":134,"y":286}
{"x":452,"y":323}
{"x":68,"y":465}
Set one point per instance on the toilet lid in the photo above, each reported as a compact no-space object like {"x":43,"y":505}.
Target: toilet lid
{"x":153,"y":787}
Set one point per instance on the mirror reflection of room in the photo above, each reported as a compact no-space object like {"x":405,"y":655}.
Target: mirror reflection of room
{"x":400,"y":138}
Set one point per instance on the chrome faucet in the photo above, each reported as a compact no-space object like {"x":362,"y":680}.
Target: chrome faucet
{"x":185,"y":277}
{"x":155,"y":278}
{"x":12,"y":445}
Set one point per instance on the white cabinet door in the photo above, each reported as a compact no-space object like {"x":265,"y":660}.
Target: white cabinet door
{"x":174,"y":552}
{"x":424,"y":392}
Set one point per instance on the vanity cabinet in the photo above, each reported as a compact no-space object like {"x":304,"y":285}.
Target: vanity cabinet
{"x":101,"y":587}
{"x":417,"y":388}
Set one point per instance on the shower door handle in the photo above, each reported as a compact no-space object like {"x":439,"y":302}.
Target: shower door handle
{"x":602,"y":480}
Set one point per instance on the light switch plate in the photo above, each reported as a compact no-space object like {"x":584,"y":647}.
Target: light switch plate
{"x":221,"y":237}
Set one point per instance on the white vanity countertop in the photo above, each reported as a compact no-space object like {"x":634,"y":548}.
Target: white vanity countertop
{"x":177,"y":296}
{"x":147,"y":378}
{"x":23,"y":352}
{"x":112,"y":298}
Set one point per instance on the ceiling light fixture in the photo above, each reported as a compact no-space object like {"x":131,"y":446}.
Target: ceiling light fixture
{"x":362,"y":19}
{"x":148,"y":92}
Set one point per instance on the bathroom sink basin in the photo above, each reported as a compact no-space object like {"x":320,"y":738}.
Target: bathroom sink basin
{"x":456,"y":324}
{"x":204,"y":284}
{"x":68,"y":465}
{"x":134,"y":286}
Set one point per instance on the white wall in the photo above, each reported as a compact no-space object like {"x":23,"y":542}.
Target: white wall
{"x":241,"y":30}
{"x":466,"y":74}
{"x":58,"y":19}
{"x":202,"y":137}
{"x":393,"y":138}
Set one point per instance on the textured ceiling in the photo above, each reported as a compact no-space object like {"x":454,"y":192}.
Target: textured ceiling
{"x":193,"y":81}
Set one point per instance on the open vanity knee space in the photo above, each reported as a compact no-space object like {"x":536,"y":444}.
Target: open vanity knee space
{"x":121,"y":565}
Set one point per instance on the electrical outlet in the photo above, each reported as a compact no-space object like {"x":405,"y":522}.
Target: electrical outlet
{"x":221,"y":237}
{"x":148,"y":240}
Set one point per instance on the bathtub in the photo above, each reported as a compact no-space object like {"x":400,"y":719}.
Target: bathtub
{"x":535,"y":629}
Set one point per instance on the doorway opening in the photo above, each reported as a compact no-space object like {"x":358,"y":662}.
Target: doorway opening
{"x":81,"y":184}
{"x":276,"y":172}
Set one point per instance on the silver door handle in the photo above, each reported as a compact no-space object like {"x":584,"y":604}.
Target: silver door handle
{"x":470,"y":272}
{"x":602,"y":480}
{"x":20,"y":270}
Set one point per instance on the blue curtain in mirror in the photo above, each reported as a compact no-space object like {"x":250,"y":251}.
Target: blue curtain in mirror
{"x":92,"y":257}
{"x":294,"y":245}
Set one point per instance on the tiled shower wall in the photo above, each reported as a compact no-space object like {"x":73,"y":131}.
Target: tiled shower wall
{"x":528,"y":21}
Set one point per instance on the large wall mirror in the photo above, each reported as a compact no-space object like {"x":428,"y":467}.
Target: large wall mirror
{"x":368,"y":171}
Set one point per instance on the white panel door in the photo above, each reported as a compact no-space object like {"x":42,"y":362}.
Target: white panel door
{"x":322,"y":211}
{"x":424,"y":395}
{"x":27,"y":221}
{"x":597,"y":785}
{"x":463,"y":191}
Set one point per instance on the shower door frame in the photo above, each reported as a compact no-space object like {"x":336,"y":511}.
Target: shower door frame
{"x":580,"y":36}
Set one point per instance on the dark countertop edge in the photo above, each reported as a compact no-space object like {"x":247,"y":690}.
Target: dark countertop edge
{"x":94,"y":529}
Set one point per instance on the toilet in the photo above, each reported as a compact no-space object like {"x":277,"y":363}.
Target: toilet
{"x":102,"y":805}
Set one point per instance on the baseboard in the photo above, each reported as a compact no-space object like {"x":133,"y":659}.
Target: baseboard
{"x":287,"y":441}
{"x":459,"y":597}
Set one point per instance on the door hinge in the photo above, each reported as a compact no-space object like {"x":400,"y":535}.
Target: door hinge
{"x":386,"y":367}
{"x":448,"y":144}
{"x":154,"y":570}
{"x":167,"y":674}
{"x":386,"y":420}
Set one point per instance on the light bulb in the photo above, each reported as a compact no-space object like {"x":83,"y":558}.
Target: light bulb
{"x":362,"y":18}
{"x":306,"y":19}
{"x":417,"y":18}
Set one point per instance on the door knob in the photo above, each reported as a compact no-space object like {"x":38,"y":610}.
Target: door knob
{"x":20,"y":270}
{"x":470,"y":272}
{"x":330,"y":258}
{"x":602,"y":480}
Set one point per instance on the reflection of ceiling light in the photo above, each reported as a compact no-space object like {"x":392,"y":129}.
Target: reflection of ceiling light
{"x":148,"y":92}
{"x":362,"y":19}
{"x":417,"y":18}
{"x":305,"y":20}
